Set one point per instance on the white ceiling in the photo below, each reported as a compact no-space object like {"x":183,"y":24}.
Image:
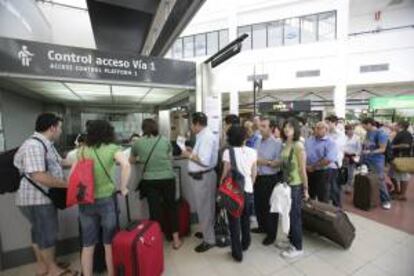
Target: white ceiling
{"x":98,"y":93}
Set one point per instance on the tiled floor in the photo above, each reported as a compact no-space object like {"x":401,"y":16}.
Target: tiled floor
{"x":400,"y":216}
{"x":378,"y":250}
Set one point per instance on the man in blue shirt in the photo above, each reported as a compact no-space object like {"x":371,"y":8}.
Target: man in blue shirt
{"x":268,"y":151}
{"x":321,"y":154}
{"x":373,"y":155}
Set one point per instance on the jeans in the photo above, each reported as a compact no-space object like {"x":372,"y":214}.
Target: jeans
{"x":351,"y":170}
{"x":100,"y":215}
{"x":378,"y":169}
{"x":44,"y":224}
{"x":241,"y":224}
{"x":263,"y":189}
{"x":295,"y":233}
{"x":334,"y":188}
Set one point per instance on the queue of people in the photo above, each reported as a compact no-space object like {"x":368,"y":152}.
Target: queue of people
{"x":263,"y":154}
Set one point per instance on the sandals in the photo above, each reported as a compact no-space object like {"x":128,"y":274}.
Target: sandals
{"x":176,"y":247}
{"x":68,"y":272}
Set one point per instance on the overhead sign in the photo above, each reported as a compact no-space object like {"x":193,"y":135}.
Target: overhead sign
{"x":398,"y":102}
{"x":285,"y":106}
{"x":49,"y":60}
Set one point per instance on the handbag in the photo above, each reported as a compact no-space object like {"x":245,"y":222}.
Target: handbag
{"x":56,"y":195}
{"x":404,"y":164}
{"x":81,"y":188}
{"x":342,"y":177}
{"x":141,"y":184}
{"x":231,"y":191}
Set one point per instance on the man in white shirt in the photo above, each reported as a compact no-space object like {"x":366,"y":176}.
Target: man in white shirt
{"x":201,"y":165}
{"x":339,"y":139}
{"x":352,"y":149}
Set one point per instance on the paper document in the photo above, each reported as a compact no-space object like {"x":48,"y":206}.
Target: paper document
{"x":181,"y":142}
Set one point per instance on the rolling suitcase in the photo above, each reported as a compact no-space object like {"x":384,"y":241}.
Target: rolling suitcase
{"x":138,"y":249}
{"x":328,"y":221}
{"x":366,"y":191}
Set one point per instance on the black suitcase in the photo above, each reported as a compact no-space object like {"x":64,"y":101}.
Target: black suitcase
{"x":328,"y":221}
{"x":366,"y":191}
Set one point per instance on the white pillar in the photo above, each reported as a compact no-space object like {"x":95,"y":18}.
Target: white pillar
{"x":342,"y":37}
{"x":234,"y":102}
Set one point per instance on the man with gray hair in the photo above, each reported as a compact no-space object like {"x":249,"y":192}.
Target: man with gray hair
{"x":321,"y":154}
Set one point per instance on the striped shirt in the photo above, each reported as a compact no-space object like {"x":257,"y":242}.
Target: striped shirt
{"x":30,"y":158}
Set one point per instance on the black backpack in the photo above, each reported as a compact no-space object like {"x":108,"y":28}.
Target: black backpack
{"x":9,"y":174}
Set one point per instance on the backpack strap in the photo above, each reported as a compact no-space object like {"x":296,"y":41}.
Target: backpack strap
{"x":46,"y":168}
{"x":103,"y":167}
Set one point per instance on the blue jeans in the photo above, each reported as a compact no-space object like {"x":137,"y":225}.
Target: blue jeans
{"x":243,"y":224}
{"x":378,"y":169}
{"x":101,"y":214}
{"x":295,"y":233}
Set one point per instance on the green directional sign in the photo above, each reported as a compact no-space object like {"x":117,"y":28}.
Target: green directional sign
{"x":391,"y":102}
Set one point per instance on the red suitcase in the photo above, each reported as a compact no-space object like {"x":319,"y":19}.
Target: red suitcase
{"x":138,"y":250}
{"x":183,"y":217}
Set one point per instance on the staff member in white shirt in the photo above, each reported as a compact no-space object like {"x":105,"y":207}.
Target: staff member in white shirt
{"x":202,"y":161}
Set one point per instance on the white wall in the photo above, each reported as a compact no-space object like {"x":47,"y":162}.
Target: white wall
{"x":281,"y":63}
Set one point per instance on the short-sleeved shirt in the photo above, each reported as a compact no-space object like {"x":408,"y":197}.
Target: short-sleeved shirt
{"x":207,"y":150}
{"x":160,"y":164}
{"x":104,"y":184}
{"x":30,"y":158}
{"x":321,"y":148}
{"x":268,"y":149}
{"x":402,"y":137}
{"x":372,"y":141}
{"x":245,"y":158}
{"x":294,"y":175}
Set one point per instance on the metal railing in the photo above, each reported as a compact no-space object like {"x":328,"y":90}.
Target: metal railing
{"x":380,"y":30}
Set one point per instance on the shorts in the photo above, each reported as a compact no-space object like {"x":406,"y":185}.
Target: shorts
{"x":93,"y":217}
{"x":44,"y":224}
{"x":399,"y":176}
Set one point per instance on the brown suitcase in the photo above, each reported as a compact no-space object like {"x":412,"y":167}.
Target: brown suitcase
{"x":328,"y":221}
{"x":366,"y":191}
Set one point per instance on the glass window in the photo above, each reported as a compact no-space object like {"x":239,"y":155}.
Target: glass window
{"x":247,"y":43}
{"x":200,"y":45}
{"x":224,"y":38}
{"x":177,"y":51}
{"x":259,"y":36}
{"x":327,"y":26}
{"x":188,"y":47}
{"x":308,"y":28}
{"x":212,"y":43}
{"x":291,"y":34}
{"x":275,"y":34}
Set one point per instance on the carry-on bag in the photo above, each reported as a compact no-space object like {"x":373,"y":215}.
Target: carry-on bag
{"x":328,"y":221}
{"x":138,"y":249}
{"x":366,"y":191}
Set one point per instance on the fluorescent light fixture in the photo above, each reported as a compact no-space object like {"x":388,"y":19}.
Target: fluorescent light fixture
{"x":89,"y":89}
{"x":129,"y":91}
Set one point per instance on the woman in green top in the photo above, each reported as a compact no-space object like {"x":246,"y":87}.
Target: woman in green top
{"x":298,"y":181}
{"x":159,"y":179}
{"x":105,"y":154}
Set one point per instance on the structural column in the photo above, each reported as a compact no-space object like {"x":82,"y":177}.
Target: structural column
{"x":342,"y":68}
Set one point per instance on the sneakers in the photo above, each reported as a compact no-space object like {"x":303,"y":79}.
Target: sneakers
{"x":292,"y":252}
{"x":283,"y":245}
{"x":386,"y":205}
